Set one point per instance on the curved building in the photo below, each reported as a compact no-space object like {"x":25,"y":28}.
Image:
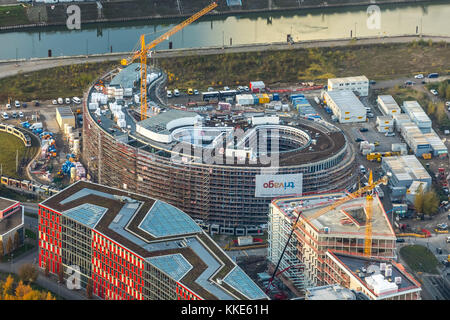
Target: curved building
{"x":211,"y":167}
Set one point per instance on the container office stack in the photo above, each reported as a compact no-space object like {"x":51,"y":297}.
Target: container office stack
{"x":387,"y":105}
{"x":417,"y":115}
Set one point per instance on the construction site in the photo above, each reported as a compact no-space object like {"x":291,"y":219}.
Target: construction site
{"x":205,"y":159}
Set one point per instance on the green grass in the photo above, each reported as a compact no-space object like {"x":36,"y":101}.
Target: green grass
{"x":30,"y":234}
{"x":377,"y":61}
{"x":64,"y":81}
{"x":9,"y":144}
{"x":407,"y":94}
{"x":419,"y":259}
{"x":13,"y":15}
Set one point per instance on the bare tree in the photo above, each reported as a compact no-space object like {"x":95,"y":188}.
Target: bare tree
{"x":28,"y":272}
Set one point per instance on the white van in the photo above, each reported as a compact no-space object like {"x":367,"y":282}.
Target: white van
{"x":5,"y":116}
{"x":76,"y":100}
{"x":176,"y":93}
{"x":169,"y":94}
{"x":362,"y":169}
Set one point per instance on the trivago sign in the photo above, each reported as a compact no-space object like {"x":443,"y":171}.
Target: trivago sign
{"x":275,"y":185}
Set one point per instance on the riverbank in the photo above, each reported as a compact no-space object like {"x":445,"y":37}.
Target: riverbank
{"x":377,"y":58}
{"x":44,"y":16}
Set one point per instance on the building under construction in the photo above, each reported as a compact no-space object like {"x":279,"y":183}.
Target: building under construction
{"x":342,"y":228}
{"x":200,"y":164}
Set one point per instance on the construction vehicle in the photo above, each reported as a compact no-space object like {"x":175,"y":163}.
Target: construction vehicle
{"x":426,"y":156}
{"x":368,"y":190}
{"x":143,"y":53}
{"x":376,"y":156}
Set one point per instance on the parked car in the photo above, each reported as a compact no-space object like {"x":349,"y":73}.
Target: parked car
{"x":390,"y":134}
{"x":190,"y":91}
{"x":176,"y":93}
{"x":169,"y":94}
{"x":8,"y":106}
{"x":247,"y":89}
{"x":5,"y":116}
{"x":196,"y":92}
{"x":60,"y":100}
{"x":67,"y":100}
{"x":14,"y":115}
{"x":20,"y":114}
{"x":447,"y":104}
{"x":359,"y":140}
{"x":24,"y":105}
{"x":363,"y":129}
{"x":36,"y":103}
{"x":76,"y":100}
{"x":418,"y":76}
{"x":434,"y":92}
{"x":210,"y":89}
{"x":409,"y":83}
{"x":226,"y":88}
{"x":17,"y":103}
{"x":54,"y":101}
{"x":433,"y":75}
{"x":400,"y":240}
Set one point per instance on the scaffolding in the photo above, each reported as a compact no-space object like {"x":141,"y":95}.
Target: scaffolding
{"x":280,"y":226}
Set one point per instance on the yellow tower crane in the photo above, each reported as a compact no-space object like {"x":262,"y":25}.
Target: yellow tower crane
{"x":369,"y":209}
{"x":145,"y":48}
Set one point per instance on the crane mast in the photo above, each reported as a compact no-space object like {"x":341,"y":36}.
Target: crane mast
{"x":369,"y":209}
{"x":145,"y":48}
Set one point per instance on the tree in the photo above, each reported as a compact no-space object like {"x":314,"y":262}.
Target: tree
{"x":28,"y":272}
{"x":7,"y":286}
{"x":418,"y":200}
{"x":47,"y":269}
{"x":9,"y":246}
{"x":430,"y":203}
{"x":16,"y":240}
{"x":89,"y":289}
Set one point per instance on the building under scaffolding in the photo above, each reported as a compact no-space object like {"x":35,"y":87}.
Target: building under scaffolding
{"x":342,"y":228}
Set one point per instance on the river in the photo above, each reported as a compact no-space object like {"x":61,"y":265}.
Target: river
{"x":312,"y":24}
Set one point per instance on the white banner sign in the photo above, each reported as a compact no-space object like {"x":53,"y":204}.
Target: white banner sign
{"x":275,"y":185}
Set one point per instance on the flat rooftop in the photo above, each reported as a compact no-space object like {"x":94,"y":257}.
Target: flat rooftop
{"x":6,"y":203}
{"x":406,"y":168}
{"x":366,"y":269}
{"x":348,"y":218}
{"x":330,"y":292}
{"x":346,"y":100}
{"x":159,"y":233}
{"x":65,"y":112}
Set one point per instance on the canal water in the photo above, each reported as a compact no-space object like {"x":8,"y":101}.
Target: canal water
{"x":311,"y":24}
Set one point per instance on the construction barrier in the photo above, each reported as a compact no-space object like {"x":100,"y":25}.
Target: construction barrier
{"x":417,"y":235}
{"x":441,"y":231}
{"x":257,"y":246}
